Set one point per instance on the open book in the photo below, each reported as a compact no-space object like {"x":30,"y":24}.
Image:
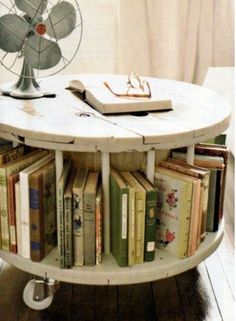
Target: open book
{"x":94,"y":92}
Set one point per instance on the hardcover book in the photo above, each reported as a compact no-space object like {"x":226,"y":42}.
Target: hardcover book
{"x":78,"y":216}
{"x":99,"y":225}
{"x":42,"y":211}
{"x":213,"y":163}
{"x":25,"y":201}
{"x":199,"y":172}
{"x":90,"y":192}
{"x":150,"y":217}
{"x":94,"y":91}
{"x":68,"y":209}
{"x":5,"y":172}
{"x":12,"y":180}
{"x":60,"y":213}
{"x":119,"y":195}
{"x":140,"y":207}
{"x":18,"y":223}
{"x":174,"y":211}
{"x":131,"y":223}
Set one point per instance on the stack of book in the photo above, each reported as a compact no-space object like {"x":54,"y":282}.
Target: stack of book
{"x":190,"y":198}
{"x":174,"y":214}
{"x":27,"y":202}
{"x":133,"y":201}
{"x":79,"y":219}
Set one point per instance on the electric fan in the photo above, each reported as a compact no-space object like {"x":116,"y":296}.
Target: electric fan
{"x":35,"y":33}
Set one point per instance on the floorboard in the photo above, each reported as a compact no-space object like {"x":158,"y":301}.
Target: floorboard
{"x":167,"y":302}
{"x":106,"y":303}
{"x":213,"y":310}
{"x":135,"y":303}
{"x":12,"y":283}
{"x":194,"y":299}
{"x":221,"y":287}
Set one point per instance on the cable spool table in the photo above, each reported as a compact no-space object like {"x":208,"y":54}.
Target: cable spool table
{"x":67,"y":124}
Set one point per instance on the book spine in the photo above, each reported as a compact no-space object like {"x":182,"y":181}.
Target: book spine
{"x":5,"y":236}
{"x":211,"y":200}
{"x":78,"y":227}
{"x":218,"y":198}
{"x":150,"y":226}
{"x":49,"y":205}
{"x":205,"y":190}
{"x":60,"y":228}
{"x":123,"y":251}
{"x":36,"y":218}
{"x":18,"y":222}
{"x":131,"y":228}
{"x":12,"y":212}
{"x":89,"y":229}
{"x":186,"y":210}
{"x":68,"y":231}
{"x":139,"y":227}
{"x":99,"y":221}
{"x":25,"y":215}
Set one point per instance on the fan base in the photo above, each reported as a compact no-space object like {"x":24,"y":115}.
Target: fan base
{"x":30,"y":93}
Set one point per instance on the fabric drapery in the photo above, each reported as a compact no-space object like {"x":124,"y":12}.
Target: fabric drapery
{"x":176,"y":39}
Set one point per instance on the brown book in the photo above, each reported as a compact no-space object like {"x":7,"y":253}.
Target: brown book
{"x":203,"y":174}
{"x":36,"y":216}
{"x":12,"y":212}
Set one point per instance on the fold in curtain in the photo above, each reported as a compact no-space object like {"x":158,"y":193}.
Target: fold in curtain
{"x":176,"y":39}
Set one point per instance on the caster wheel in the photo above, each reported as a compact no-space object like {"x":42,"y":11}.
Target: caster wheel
{"x":30,"y":302}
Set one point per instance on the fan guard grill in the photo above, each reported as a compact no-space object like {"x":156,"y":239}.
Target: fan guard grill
{"x":69,"y":49}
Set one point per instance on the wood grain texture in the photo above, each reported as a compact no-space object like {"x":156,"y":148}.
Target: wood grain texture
{"x":62,"y":120}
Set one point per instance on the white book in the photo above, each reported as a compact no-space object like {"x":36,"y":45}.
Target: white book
{"x":24,"y":200}
{"x":18,"y":222}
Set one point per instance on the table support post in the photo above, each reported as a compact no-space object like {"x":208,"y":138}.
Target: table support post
{"x":150,"y":167}
{"x":59,"y":164}
{"x":190,"y":154}
{"x":106,"y":199}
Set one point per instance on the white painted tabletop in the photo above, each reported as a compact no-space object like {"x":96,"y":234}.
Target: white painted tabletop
{"x":198,"y":114}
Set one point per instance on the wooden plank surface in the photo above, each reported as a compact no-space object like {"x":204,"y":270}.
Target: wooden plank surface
{"x":167,"y":301}
{"x":135,"y":303}
{"x":62,"y":119}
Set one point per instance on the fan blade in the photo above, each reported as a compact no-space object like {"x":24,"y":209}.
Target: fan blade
{"x":13,"y":30}
{"x":33,"y":8}
{"x":61,"y":21}
{"x":41,"y":53}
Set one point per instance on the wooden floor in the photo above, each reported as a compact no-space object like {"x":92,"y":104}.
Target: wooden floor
{"x":204,"y":293}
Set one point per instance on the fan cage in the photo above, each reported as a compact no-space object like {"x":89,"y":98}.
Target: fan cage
{"x":13,"y":61}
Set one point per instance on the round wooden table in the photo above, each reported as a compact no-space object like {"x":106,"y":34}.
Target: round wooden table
{"x":66,"y":123}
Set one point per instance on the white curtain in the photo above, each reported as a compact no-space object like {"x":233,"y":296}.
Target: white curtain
{"x":176,"y":39}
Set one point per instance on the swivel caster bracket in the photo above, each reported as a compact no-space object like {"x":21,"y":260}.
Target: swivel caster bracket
{"x":38,"y":293}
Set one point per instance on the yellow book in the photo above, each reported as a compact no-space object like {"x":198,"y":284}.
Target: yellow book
{"x":140,"y":208}
{"x":178,"y":202}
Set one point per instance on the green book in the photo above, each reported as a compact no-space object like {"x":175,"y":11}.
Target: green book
{"x":150,"y":217}
{"x":119,"y":218}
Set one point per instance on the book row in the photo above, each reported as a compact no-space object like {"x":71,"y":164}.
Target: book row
{"x":174,"y":214}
